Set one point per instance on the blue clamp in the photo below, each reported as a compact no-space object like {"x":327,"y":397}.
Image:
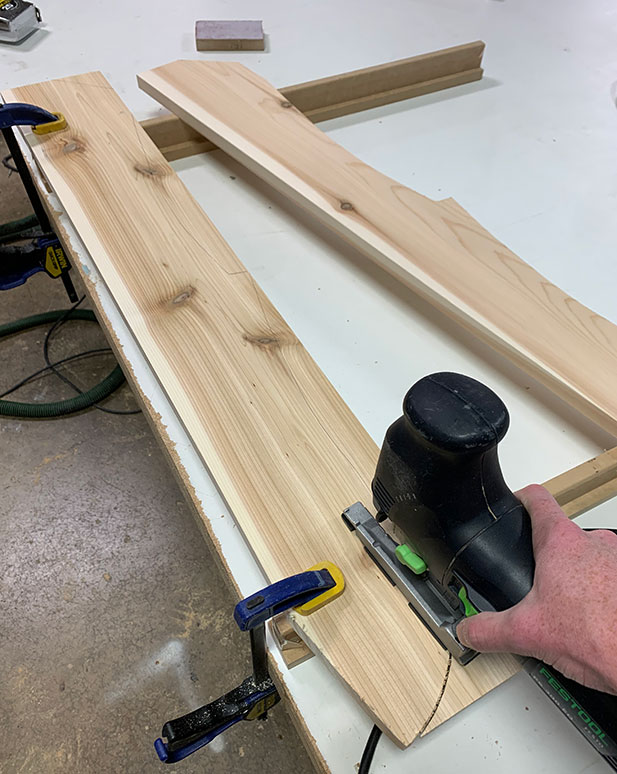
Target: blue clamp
{"x":37,"y":256}
{"x":22,"y":114}
{"x":255,"y":705}
{"x":257,"y":694}
{"x":42,"y":253}
{"x":281,"y":596}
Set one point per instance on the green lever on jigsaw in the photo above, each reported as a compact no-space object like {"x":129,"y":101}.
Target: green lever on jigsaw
{"x":467,"y":544}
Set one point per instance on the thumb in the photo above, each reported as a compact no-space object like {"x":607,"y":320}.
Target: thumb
{"x":488,"y":632}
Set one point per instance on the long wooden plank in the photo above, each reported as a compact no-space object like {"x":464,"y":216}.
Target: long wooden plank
{"x":284,"y":449}
{"x":436,"y":248}
{"x":341,"y":95}
{"x":587,"y":485}
{"x":176,"y":458}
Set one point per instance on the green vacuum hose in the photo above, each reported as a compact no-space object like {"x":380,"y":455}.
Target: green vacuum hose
{"x":58,"y":408}
{"x":14,"y":229}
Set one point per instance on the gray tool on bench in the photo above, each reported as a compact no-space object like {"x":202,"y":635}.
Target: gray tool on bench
{"x":18,"y":20}
{"x":468,"y":544}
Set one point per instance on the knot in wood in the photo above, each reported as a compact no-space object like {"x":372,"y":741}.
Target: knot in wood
{"x":147,"y":171}
{"x":183,"y":296}
{"x":346,"y":206}
{"x":262,"y":341}
{"x":286,"y":104}
{"x":72,"y":146}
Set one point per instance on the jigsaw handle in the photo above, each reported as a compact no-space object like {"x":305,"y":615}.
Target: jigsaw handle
{"x":438,"y":479}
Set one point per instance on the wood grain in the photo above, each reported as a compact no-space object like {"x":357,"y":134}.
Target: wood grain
{"x":435,"y":248}
{"x":292,"y":647}
{"x":587,"y":485}
{"x":285,"y":450}
{"x":344,"y":94}
{"x":384,"y":84}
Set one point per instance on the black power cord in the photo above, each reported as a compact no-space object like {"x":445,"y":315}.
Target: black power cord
{"x":85,"y":399}
{"x":52,"y":366}
{"x":375,"y":735}
{"x":369,"y":750}
{"x":79,"y":356}
{"x":6,"y":162}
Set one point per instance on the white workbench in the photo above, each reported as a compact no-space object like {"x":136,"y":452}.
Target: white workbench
{"x":530,"y":151}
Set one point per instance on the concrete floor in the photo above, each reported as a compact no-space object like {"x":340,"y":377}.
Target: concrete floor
{"x":114,"y":615}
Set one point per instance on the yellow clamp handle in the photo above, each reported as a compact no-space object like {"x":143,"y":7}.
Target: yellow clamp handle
{"x":52,"y":126}
{"x":309,"y":607}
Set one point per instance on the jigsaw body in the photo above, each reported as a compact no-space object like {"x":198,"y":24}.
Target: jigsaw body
{"x":467,"y":543}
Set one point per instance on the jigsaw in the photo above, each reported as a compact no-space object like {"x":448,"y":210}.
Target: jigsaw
{"x":466,"y":542}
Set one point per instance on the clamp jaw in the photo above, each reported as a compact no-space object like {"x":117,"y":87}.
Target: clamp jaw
{"x":21,"y":114}
{"x":45,"y":252}
{"x":255,"y":695}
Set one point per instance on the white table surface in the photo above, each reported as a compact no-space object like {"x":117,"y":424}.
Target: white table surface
{"x":530,"y":151}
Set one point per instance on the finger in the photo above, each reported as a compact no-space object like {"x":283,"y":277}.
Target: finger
{"x":544,"y":511}
{"x":487,"y":632}
{"x":605,"y":536}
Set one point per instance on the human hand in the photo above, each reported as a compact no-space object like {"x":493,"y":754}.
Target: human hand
{"x":569,"y":618}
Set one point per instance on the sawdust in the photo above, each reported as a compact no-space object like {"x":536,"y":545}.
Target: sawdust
{"x":46,"y":461}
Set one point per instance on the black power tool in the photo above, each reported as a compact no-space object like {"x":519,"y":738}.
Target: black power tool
{"x":468,"y":545}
